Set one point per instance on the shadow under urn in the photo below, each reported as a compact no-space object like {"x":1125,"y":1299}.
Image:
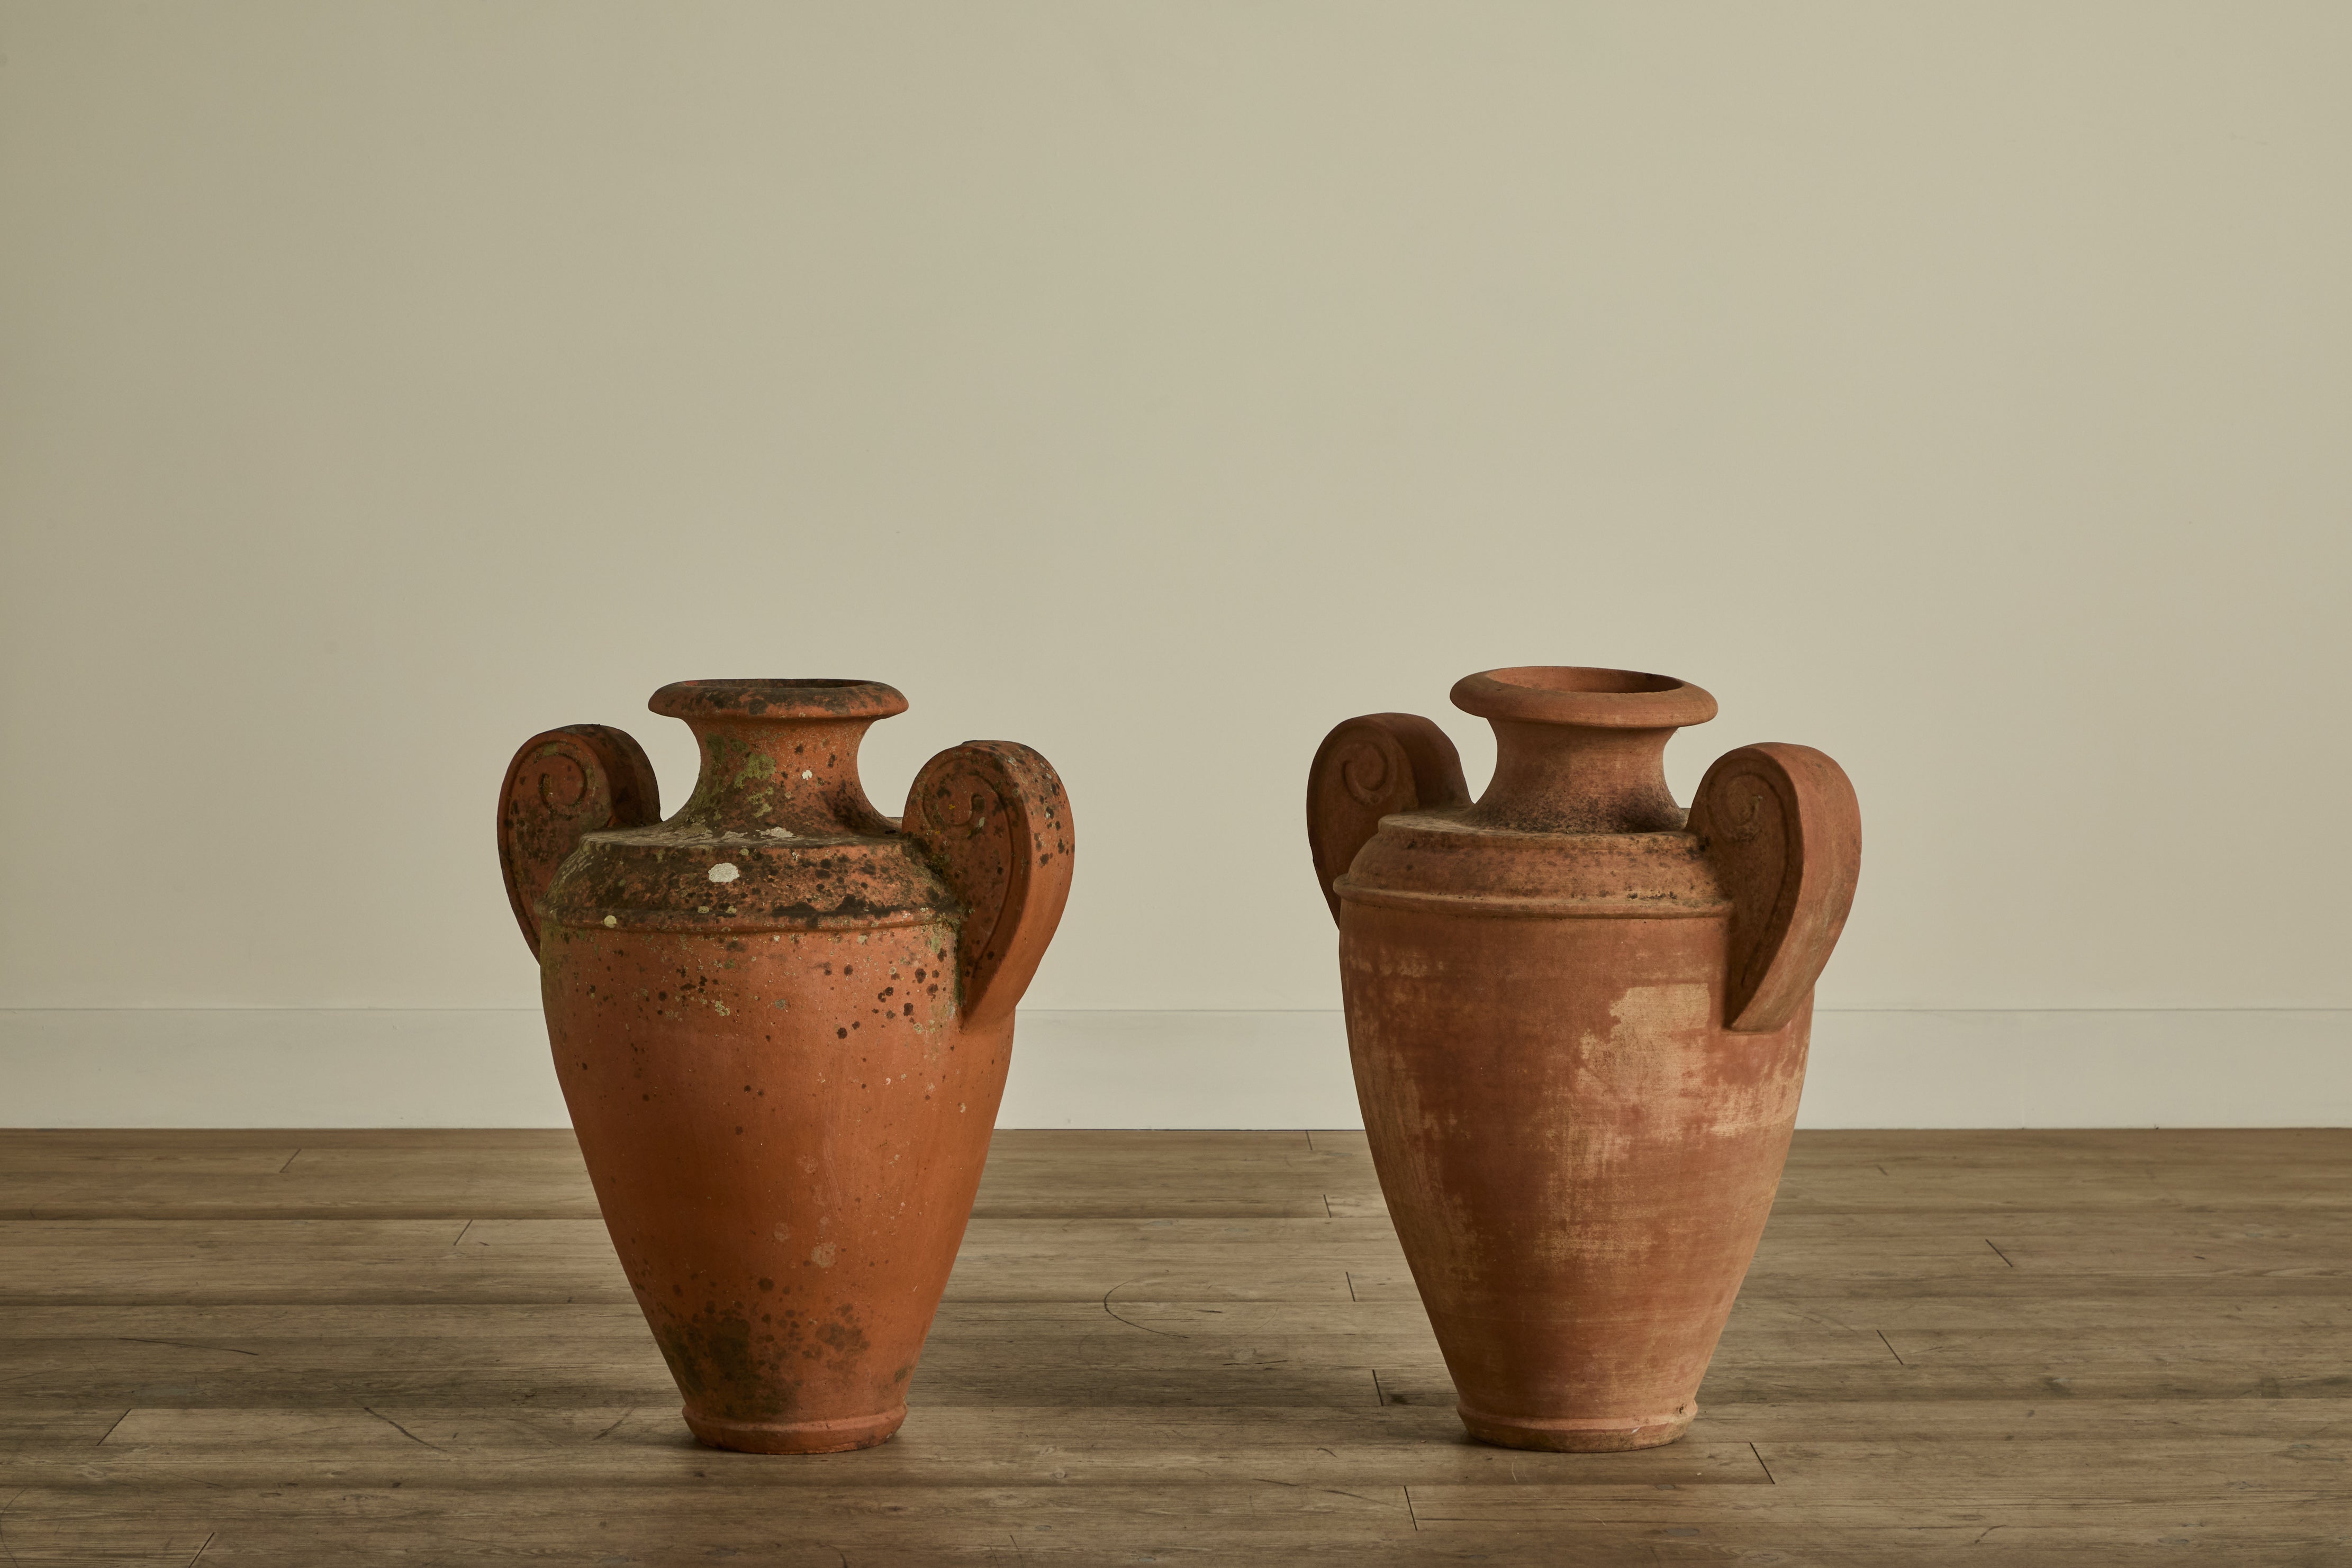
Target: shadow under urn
{"x":783,"y":1021}
{"x":1578,"y":1017}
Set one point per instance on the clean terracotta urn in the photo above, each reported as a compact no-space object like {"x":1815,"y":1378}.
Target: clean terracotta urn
{"x":781,"y":1021}
{"x":1578,"y":1017}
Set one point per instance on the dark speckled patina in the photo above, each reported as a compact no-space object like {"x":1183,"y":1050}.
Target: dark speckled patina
{"x":781,"y":1021}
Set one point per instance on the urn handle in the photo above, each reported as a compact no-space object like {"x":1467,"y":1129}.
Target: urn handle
{"x":993,"y":818}
{"x":560,"y":786}
{"x":1781,"y":827}
{"x":1365,"y":769}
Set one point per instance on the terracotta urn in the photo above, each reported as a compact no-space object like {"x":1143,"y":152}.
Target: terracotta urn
{"x":1578,"y":1017}
{"x":781,"y":1021}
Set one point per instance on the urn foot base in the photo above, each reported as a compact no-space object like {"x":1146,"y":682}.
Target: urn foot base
{"x":796,"y":1437}
{"x":1607,"y":1435}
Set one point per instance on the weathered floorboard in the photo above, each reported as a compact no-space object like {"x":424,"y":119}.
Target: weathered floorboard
{"x":2094,"y":1350}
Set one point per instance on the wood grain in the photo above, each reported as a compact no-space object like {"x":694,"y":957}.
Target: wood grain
{"x":2080,"y":1348}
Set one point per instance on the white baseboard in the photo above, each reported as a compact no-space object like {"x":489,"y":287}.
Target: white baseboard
{"x":487,"y":1068}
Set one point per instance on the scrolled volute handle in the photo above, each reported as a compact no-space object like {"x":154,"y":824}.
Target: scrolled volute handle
{"x":561,"y":786}
{"x":993,"y":818}
{"x":1781,"y":827}
{"x":1365,"y":769}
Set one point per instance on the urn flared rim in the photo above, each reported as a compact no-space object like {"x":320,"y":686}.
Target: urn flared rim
{"x":1583,"y":695}
{"x":759,"y":698}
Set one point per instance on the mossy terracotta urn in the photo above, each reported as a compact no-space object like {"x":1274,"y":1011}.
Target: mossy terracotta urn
{"x":781,"y":1021}
{"x":1579,"y":1016}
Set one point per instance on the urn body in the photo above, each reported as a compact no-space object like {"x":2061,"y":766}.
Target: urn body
{"x":1578,"y":1020}
{"x":781,"y":1023}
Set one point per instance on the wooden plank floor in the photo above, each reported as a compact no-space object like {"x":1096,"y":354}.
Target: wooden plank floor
{"x":1989,"y":1348}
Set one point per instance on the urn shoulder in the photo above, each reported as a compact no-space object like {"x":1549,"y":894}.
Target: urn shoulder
{"x":779,"y":836}
{"x":1446,"y":863}
{"x":666,"y":877}
{"x":1578,"y":822}
{"x":778,"y":833}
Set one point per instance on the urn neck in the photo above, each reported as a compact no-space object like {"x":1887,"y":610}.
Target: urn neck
{"x":780,"y":758}
{"x":1581,"y":751}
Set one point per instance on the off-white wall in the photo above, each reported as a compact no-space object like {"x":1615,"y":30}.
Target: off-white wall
{"x":1966,"y":390}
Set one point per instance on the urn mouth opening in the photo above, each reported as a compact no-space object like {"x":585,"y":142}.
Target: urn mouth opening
{"x":1583,"y":695}
{"x":777,"y":699}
